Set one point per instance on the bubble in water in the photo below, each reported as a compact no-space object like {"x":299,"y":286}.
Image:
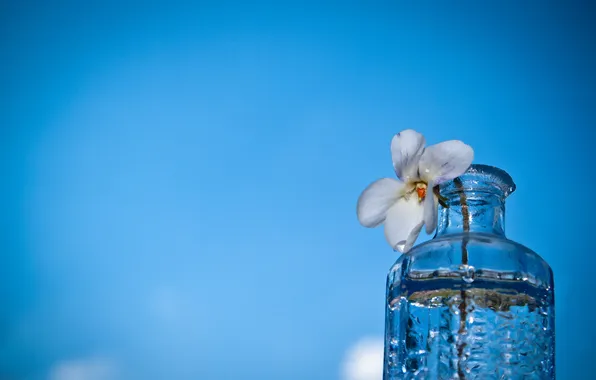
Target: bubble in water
{"x":467,"y":273}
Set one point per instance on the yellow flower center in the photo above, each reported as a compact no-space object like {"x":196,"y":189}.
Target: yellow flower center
{"x":421,"y":190}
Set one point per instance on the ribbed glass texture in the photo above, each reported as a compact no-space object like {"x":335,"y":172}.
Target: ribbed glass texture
{"x":471,"y":304}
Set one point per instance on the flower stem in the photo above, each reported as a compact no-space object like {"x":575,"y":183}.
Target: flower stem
{"x":461,"y":345}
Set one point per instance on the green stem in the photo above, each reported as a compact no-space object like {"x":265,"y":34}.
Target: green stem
{"x":464,"y":260}
{"x":442,"y":199}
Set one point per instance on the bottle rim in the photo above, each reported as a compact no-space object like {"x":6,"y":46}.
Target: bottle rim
{"x":481,"y":178}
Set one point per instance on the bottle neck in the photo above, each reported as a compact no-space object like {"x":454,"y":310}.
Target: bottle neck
{"x":476,"y":201}
{"x":473,"y":211}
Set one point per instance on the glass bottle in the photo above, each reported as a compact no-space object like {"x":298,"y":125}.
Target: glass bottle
{"x":469,"y":303}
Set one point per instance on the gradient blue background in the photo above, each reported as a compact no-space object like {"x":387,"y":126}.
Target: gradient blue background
{"x":179,"y":181}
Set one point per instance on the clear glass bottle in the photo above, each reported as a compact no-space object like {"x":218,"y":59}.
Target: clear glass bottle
{"x":470,"y":304}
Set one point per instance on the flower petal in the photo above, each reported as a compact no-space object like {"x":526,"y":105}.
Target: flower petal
{"x":412,"y":238}
{"x":376,"y":199}
{"x":403,"y":223}
{"x":406,"y":149}
{"x":445,"y":161}
{"x":430,"y":209}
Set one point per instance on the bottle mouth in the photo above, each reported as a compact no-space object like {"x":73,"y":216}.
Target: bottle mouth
{"x":481,"y":178}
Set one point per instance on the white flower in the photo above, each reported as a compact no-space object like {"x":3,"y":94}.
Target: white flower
{"x":406,"y":205}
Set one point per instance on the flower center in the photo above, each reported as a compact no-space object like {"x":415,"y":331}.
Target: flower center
{"x":421,"y":190}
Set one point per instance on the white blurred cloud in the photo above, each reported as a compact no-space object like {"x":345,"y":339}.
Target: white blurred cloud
{"x":364,"y":360}
{"x":84,"y":369}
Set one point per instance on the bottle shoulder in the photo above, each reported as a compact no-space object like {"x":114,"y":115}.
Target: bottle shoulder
{"x":476,"y":242}
{"x":488,"y":254}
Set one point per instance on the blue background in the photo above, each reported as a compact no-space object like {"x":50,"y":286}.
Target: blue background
{"x":179,"y":181}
